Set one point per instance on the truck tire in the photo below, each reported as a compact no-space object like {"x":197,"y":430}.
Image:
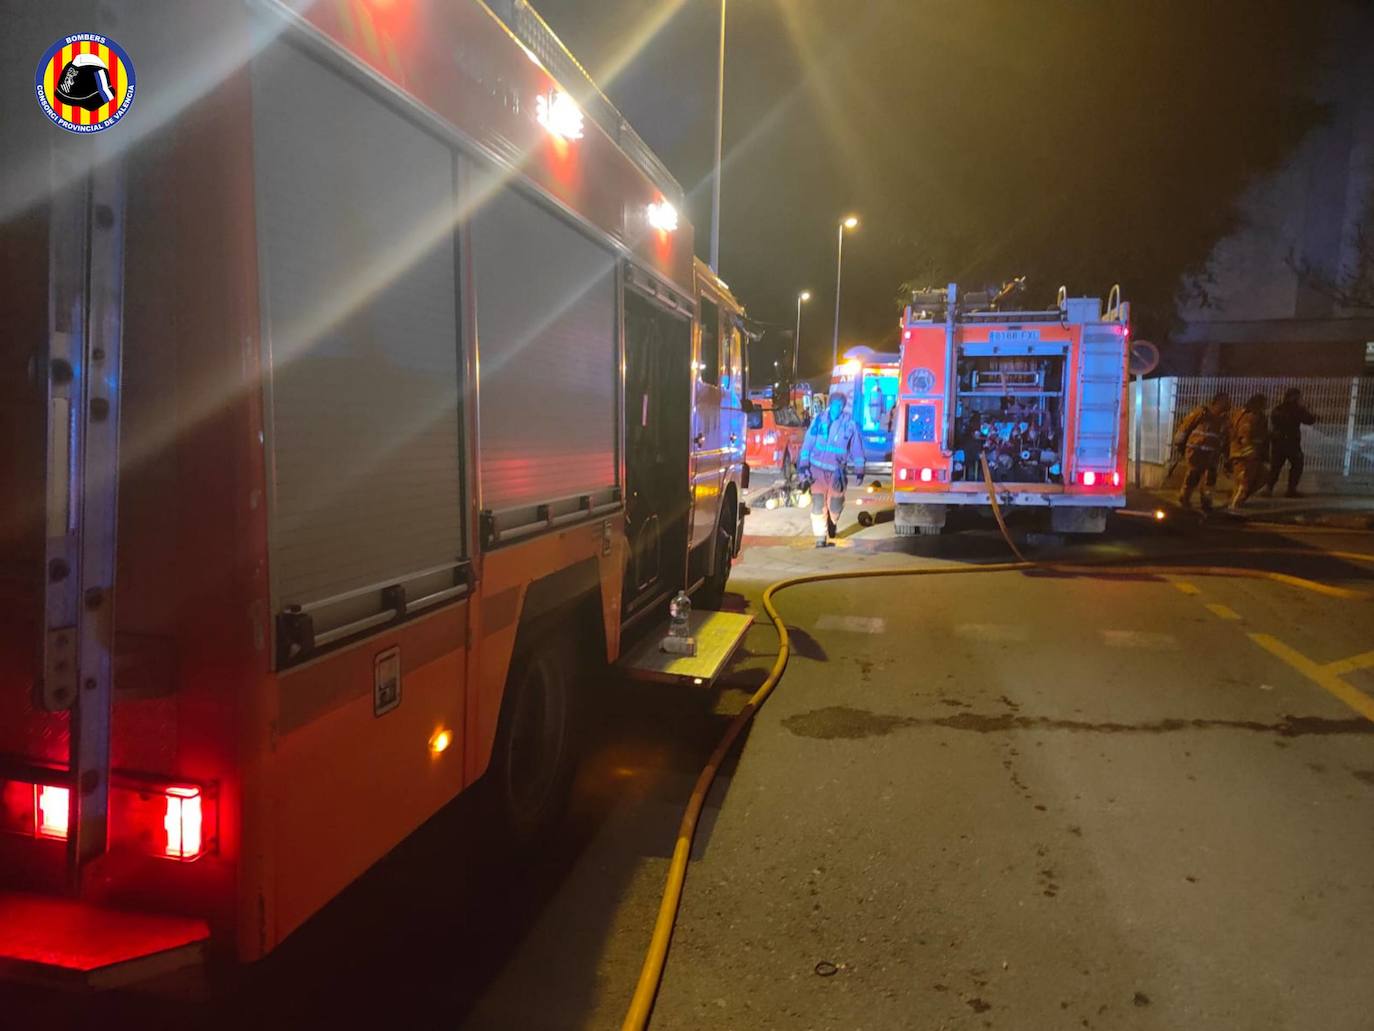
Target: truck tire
{"x":535,"y":753}
{"x":711,"y":594}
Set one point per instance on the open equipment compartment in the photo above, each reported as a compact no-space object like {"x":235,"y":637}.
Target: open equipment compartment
{"x":1011,"y":408}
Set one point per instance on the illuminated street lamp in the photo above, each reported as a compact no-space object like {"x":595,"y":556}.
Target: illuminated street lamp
{"x":805,"y":295}
{"x":852,"y":222}
{"x":720,"y":132}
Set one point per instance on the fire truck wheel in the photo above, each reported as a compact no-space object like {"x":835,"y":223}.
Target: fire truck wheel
{"x":534,"y":758}
{"x":712,"y":592}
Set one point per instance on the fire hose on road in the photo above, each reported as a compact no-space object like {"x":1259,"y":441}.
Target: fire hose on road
{"x":651,"y":973}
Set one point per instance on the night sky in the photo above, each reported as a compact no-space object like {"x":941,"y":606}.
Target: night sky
{"x":1082,"y":143}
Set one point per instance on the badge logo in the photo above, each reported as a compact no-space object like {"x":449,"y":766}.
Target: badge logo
{"x":920,"y":381}
{"x":85,"y":83}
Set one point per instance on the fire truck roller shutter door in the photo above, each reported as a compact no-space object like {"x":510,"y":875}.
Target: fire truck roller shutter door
{"x":361,"y":331}
{"x":546,"y":338}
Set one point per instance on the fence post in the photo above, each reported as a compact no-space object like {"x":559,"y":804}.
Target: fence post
{"x":1139,"y":424}
{"x":1350,"y":425}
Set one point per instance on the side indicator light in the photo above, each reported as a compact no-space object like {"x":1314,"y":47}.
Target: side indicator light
{"x":439,"y":743}
{"x":52,"y":805}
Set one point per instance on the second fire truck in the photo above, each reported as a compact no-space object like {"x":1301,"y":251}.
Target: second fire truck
{"x":1040,"y":395}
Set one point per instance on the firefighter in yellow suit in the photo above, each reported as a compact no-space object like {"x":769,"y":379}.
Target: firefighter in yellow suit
{"x":831,"y":447}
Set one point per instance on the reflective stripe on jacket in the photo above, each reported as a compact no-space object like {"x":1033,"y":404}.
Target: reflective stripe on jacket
{"x":830,"y":441}
{"x":1203,"y":431}
{"x":1249,"y":434}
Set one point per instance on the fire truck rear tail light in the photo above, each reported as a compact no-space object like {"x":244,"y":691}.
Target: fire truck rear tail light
{"x":1116,"y":479}
{"x":1089,"y":479}
{"x":183,"y":823}
{"x":51,"y":807}
{"x":927,"y":475}
{"x":903,"y":474}
{"x":173,"y":821}
{"x":770,"y":439}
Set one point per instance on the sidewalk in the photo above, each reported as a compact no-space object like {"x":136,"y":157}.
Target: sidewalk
{"x":1342,"y":511}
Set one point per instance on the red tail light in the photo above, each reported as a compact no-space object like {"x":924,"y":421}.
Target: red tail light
{"x":175,"y":821}
{"x":51,"y":808}
{"x":1092,"y":478}
{"x":927,"y":475}
{"x":183,"y":823}
{"x":903,"y":474}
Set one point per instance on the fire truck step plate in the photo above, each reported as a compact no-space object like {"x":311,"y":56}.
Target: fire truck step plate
{"x":66,"y":943}
{"x":718,"y":634}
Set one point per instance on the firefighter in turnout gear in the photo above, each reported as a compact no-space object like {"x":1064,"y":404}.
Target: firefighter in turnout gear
{"x":1204,"y":436}
{"x":1249,"y":448}
{"x":1286,"y":422}
{"x":832,"y":445}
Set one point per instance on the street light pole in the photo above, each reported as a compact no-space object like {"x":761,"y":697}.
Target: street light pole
{"x":849,"y":223}
{"x":805,"y":295}
{"x":720,"y":130}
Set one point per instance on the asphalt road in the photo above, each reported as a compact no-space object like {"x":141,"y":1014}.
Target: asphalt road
{"x":1005,"y":800}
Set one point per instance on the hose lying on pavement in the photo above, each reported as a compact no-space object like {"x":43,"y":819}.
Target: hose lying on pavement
{"x":651,"y":973}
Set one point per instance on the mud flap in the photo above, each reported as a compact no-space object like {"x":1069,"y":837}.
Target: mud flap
{"x":910,"y":520}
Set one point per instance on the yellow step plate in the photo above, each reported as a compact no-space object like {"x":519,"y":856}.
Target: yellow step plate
{"x":718,"y":635}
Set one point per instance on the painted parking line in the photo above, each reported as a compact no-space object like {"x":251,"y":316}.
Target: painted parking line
{"x":1222,"y":611}
{"x":1326,"y":676}
{"x":1185,"y":587}
{"x":1139,"y":639}
{"x":993,"y":632}
{"x":1340,"y":667}
{"x":852,"y":624}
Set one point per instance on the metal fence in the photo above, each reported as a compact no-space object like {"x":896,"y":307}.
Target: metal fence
{"x":1339,"y":449}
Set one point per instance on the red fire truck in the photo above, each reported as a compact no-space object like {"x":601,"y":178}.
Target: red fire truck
{"x":357,"y":389}
{"x":1040,"y":394}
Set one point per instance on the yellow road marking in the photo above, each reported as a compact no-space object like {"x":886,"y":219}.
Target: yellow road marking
{"x":1325,"y":677}
{"x":1320,"y":588}
{"x":1222,"y":611}
{"x":1342,"y":666}
{"x":1186,"y":587}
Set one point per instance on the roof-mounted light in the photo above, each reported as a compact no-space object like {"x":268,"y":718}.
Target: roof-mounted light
{"x":663,"y":216}
{"x":559,"y":114}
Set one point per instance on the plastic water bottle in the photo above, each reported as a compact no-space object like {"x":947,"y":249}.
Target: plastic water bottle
{"x":680,"y":616}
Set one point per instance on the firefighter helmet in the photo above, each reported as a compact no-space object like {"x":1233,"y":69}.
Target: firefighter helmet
{"x":85,"y":83}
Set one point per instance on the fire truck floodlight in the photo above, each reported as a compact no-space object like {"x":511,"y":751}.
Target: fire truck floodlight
{"x":559,"y":114}
{"x":663,"y":217}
